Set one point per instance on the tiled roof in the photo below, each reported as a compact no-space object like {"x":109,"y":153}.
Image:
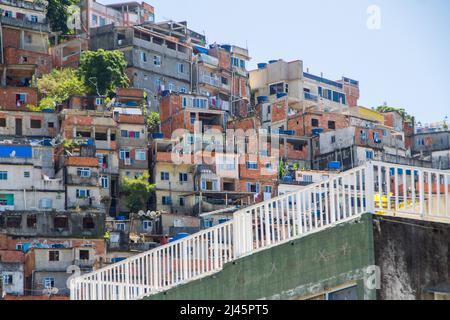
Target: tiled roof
{"x":80,"y":161}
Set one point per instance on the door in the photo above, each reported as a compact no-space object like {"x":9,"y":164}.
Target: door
{"x":18,"y":127}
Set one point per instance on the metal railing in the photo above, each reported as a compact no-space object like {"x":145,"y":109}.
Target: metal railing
{"x":378,"y":188}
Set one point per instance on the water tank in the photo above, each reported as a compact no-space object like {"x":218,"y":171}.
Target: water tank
{"x":262,"y":99}
{"x":334,"y":165}
{"x":226,"y":47}
{"x":158,"y":135}
{"x":317,"y":132}
{"x":262,"y":65}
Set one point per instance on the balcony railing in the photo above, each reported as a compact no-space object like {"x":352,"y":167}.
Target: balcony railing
{"x":311,"y":97}
{"x":24,"y":23}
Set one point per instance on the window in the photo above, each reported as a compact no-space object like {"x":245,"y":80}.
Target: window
{"x":14,"y":222}
{"x":28,"y":39}
{"x":46,"y":203}
{"x":143,"y":57}
{"x":193,"y":118}
{"x":363,"y":136}
{"x":165,"y":176}
{"x":124,"y":154}
{"x":61,"y":222}
{"x":253,"y":187}
{"x":84,"y":255}
{"x":3,"y":175}
{"x":182,"y":202}
{"x":104,"y":182}
{"x":147,"y":225}
{"x":224,"y":81}
{"x":332,"y":125}
{"x":83,"y":193}
{"x":31,"y":221}
{"x":94,"y":19}
{"x":268,"y":189}
{"x":333,"y":139}
{"x":242,"y":64}
{"x":183,"y":177}
{"x":84,"y":172}
{"x":35,"y":124}
{"x":49,"y":283}
{"x":180,"y":68}
{"x":157,"y":61}
{"x":141,"y":155}
{"x":172,"y":87}
{"x":315,"y":123}
{"x":252,"y":165}
{"x":88,"y":223}
{"x":120,"y":227}
{"x":51,"y":124}
{"x":53,"y":256}
{"x":199,"y":103}
{"x":277,"y":88}
{"x":21,"y":99}
{"x":376,"y":137}
{"x":369,"y":155}
{"x":98,"y":101}
{"x":183,"y":90}
{"x":7,"y":279}
{"x":2,"y":122}
{"x":166,"y":201}
{"x":6,"y":199}
{"x":8,"y":13}
{"x":34,"y":19}
{"x":102,"y":21}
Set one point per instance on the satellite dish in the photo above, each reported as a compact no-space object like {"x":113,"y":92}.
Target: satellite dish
{"x":141,"y":213}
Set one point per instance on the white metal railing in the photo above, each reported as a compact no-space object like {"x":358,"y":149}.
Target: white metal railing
{"x":377,"y":188}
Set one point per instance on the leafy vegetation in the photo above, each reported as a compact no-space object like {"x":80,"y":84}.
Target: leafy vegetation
{"x":103,"y":71}
{"x":59,"y":85}
{"x":153,"y":122}
{"x":58,"y":13}
{"x":138,"y":191}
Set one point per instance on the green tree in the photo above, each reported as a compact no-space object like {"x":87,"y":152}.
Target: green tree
{"x":138,"y":191}
{"x":153,"y":122}
{"x":60,"y":84}
{"x":58,"y":13}
{"x":103,"y":71}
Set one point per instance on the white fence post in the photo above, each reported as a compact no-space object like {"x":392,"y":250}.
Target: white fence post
{"x":370,"y":188}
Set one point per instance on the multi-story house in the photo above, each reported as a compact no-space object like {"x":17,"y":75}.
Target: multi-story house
{"x":302,"y":90}
{"x":24,"y":42}
{"x":93,"y":14}
{"x":49,"y":267}
{"x":159,"y":55}
{"x":220,"y":74}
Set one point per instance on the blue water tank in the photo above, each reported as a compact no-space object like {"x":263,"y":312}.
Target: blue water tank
{"x":317,"y":132}
{"x":48,"y":110}
{"x":227,"y":47}
{"x":262,"y":99}
{"x":334,"y":165}
{"x":165,"y":93}
{"x":262,"y":65}
{"x":158,"y":135}
{"x":180,"y":236}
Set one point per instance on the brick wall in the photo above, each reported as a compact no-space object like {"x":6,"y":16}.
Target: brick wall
{"x":8,"y":98}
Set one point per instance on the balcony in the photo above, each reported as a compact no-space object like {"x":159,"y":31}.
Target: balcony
{"x":25,"y":24}
{"x":6,"y":208}
{"x":105,"y":145}
{"x":212,"y":81}
{"x":311,"y":97}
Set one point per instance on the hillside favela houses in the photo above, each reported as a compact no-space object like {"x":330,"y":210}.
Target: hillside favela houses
{"x":183,"y":134}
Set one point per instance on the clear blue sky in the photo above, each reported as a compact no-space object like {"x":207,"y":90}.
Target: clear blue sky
{"x":406,"y":63}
